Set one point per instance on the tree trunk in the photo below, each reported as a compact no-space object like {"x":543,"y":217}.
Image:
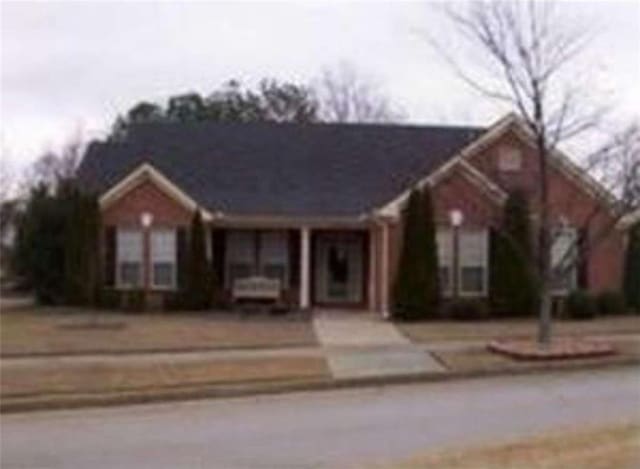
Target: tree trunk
{"x":544,"y":325}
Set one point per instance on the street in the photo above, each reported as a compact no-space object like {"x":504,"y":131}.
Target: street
{"x":319,"y":429}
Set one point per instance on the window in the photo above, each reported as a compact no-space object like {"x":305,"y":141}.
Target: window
{"x":445,"y":260}
{"x":129,"y":258}
{"x":509,"y":159}
{"x":563,"y":256}
{"x":273,"y":255}
{"x":163,"y":258}
{"x":240,"y":255}
{"x":473,"y":261}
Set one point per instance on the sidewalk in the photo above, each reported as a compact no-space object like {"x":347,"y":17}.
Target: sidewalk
{"x":351,"y":350}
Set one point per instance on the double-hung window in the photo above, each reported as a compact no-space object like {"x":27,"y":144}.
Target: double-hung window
{"x":445,"y":260}
{"x":273,"y":255}
{"x":473,"y":261}
{"x":563,"y":259}
{"x":129,"y":258}
{"x":240,"y":255}
{"x":163,"y":258}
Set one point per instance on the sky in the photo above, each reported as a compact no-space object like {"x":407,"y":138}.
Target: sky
{"x":68,"y":68}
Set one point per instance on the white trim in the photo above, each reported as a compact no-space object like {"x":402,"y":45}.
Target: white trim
{"x":119,"y":284}
{"x":558,"y":159}
{"x":629,"y":220}
{"x":146,"y":172}
{"x":152,"y":261}
{"x":485,"y":264}
{"x":305,"y":268}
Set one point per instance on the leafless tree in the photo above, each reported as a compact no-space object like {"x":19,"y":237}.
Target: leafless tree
{"x":526,"y":52}
{"x":55,"y":168}
{"x":345,"y":96}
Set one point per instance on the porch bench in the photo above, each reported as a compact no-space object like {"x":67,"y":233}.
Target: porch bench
{"x":257,"y":291}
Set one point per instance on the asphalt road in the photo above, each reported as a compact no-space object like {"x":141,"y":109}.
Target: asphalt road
{"x":324,"y":429}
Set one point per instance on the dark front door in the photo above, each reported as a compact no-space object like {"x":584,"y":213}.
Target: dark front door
{"x":339,"y":268}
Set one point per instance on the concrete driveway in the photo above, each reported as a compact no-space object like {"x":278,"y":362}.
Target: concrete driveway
{"x":360,"y":344}
{"x":312,"y":430}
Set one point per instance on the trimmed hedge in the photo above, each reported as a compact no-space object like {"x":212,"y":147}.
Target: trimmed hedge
{"x":466,"y":309}
{"x":581,"y":305}
{"x":611,"y":302}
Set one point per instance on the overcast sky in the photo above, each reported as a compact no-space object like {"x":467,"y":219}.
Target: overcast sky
{"x":72,"y":66}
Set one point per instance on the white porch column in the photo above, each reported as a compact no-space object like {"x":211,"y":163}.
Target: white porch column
{"x":373,"y":268}
{"x":305,"y":268}
{"x":384,"y":288}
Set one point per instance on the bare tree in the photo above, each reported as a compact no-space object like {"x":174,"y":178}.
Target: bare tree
{"x":526,"y":52}
{"x":55,"y":168}
{"x":344,"y":96}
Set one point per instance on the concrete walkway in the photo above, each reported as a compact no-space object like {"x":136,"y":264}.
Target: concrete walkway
{"x":361,"y":344}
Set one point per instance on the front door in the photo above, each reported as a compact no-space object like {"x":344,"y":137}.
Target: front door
{"x":339,"y":268}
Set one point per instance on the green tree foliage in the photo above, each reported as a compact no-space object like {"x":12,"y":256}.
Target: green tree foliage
{"x":199,"y":276}
{"x":272,"y":101}
{"x":82,"y":228}
{"x":513,"y":290}
{"x":632,"y":269}
{"x":56,"y":245}
{"x":416,"y":290}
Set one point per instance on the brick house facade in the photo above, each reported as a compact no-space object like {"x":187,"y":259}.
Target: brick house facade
{"x":318,"y":208}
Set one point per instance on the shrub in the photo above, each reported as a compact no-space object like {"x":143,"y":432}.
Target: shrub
{"x":611,"y":302}
{"x":108,"y":299}
{"x":465,"y":309}
{"x":513,"y":288}
{"x":199,"y":276}
{"x":632,"y":269}
{"x":415,"y":290}
{"x":134,"y":300}
{"x":581,"y":305}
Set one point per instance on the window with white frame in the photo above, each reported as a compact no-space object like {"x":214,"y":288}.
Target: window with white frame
{"x":509,"y":159}
{"x":563,"y":259}
{"x":444,"y":241}
{"x":473,"y":261}
{"x":163,"y":258}
{"x":273,"y":255}
{"x":129,"y":258}
{"x":240,"y":256}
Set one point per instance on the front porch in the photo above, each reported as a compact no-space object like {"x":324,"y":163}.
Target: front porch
{"x":309,"y":267}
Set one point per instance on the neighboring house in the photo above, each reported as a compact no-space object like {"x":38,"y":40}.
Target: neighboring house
{"x":318,"y":207}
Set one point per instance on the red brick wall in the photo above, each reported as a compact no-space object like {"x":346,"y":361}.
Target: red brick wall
{"x":568,"y":199}
{"x":146,"y":197}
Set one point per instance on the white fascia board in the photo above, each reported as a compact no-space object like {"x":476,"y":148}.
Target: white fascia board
{"x":146,"y":172}
{"x":394,"y":207}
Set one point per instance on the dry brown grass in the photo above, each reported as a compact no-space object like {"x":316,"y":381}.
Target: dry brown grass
{"x":109,"y":377}
{"x":47,"y":331}
{"x":615,"y":446}
{"x":509,"y":328}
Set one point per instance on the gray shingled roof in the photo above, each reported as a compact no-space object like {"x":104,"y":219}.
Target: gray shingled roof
{"x":280,"y":169}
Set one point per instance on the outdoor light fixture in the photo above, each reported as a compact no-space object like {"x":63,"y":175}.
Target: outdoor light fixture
{"x":457,"y":217}
{"x":146,"y":219}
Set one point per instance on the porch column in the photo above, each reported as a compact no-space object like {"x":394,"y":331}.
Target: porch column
{"x":305,"y":267}
{"x":384,"y":288}
{"x":373,"y":268}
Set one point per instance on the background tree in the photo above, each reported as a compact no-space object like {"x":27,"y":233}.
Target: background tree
{"x":416,"y":289}
{"x":528,"y":50}
{"x":345,"y":96}
{"x":513,"y":288}
{"x":199,"y":277}
{"x":632,"y":269}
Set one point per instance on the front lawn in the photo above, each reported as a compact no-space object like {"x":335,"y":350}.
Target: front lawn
{"x":70,"y":331}
{"x":56,"y":378}
{"x":435,"y":331}
{"x":593,"y":448}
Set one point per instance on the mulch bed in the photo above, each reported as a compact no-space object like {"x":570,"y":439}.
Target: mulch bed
{"x":561,"y":348}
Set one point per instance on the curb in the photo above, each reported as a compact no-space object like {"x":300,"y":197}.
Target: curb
{"x":76,"y":401}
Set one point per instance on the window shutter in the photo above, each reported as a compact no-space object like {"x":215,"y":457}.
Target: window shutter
{"x":110,"y":256}
{"x":218,"y":242}
{"x":294,"y":258}
{"x":181,"y":256}
{"x":583,"y":259}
